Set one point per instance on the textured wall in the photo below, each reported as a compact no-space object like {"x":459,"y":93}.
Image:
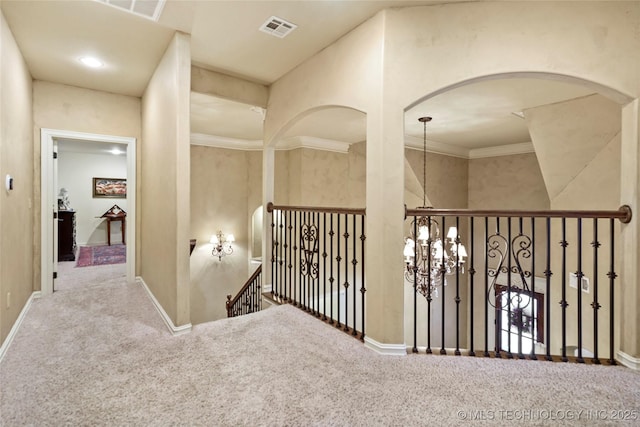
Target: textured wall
{"x":16,"y":159}
{"x":164,"y":188}
{"x":447,"y":178}
{"x":225,"y":190}
{"x":310,"y":177}
{"x":507,"y":182}
{"x":579,"y":142}
{"x":64,"y":107}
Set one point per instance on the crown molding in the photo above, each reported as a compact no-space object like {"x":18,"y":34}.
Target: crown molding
{"x":412,"y":142}
{"x":313,"y":143}
{"x":225,"y":142}
{"x":323,"y":144}
{"x":436,"y":147}
{"x":257,"y":145}
{"x":502,"y":150}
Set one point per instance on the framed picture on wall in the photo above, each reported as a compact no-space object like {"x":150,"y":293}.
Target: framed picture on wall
{"x":110,"y":188}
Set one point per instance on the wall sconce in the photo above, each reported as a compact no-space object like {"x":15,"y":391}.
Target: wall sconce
{"x":222,"y":245}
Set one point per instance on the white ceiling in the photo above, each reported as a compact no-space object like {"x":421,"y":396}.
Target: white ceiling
{"x":52,"y":35}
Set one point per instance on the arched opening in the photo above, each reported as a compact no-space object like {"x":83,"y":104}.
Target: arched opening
{"x":517,"y":141}
{"x":320,"y":159}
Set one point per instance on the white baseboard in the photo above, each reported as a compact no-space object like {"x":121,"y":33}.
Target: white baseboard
{"x":266,"y":288}
{"x":14,"y":329}
{"x":629,"y":361}
{"x":175,"y":330}
{"x":385,"y":349}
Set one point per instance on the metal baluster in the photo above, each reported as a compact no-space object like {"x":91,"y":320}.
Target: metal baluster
{"x":521,"y":313}
{"x":331,"y":279}
{"x":273,"y":252}
{"x":260,"y":292}
{"x":563,"y":302}
{"x":429,"y":288}
{"x":281,"y":271}
{"x":296,"y":262}
{"x":534,"y":301}
{"x":303,"y":259}
{"x":509,"y":249}
{"x":579,"y":280}
{"x":324,"y":266}
{"x":355,"y":263}
{"x":363,"y":289}
{"x":547,"y":275}
{"x":317,"y":277}
{"x":486,"y":287}
{"x":595,"y":304}
{"x":442,"y":286}
{"x":290,"y":261}
{"x":346,"y":272}
{"x":612,"y":277}
{"x":415,"y":287}
{"x":338,"y":259}
{"x":498,"y":311}
{"x":457,"y":242}
{"x":285,"y":257}
{"x":472,"y":273}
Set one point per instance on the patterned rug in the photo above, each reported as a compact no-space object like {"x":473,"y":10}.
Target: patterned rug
{"x":101,"y":255}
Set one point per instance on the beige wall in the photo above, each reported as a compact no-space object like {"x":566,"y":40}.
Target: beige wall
{"x":63,"y":107}
{"x":580,"y":156}
{"x":228,"y":87}
{"x":16,"y":159}
{"x":426,"y":49}
{"x":311,"y":177}
{"x":507,"y":182}
{"x":504,"y":182}
{"x":447,"y":178}
{"x":226,"y":187}
{"x":164,"y":189}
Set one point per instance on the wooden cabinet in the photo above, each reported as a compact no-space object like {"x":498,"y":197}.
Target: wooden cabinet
{"x":66,"y":235}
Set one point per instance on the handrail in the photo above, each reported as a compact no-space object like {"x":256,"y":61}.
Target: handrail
{"x":231,"y":302}
{"x":623,"y":213}
{"x":353,"y":211}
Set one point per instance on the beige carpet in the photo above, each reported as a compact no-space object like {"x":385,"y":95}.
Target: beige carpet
{"x":102,"y":356}
{"x":71,"y":277}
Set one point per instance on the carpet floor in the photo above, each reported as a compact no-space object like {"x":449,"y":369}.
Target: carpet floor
{"x":101,"y":255}
{"x":102,"y":356}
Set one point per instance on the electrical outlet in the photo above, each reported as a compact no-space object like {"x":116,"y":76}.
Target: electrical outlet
{"x":8,"y":299}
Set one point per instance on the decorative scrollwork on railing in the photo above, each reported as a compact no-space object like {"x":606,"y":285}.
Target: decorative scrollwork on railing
{"x":497,"y":250}
{"x":501,"y":252}
{"x":309,"y":247}
{"x":521,"y":249}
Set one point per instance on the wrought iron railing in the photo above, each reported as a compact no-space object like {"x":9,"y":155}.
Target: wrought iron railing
{"x":317,"y":263}
{"x":514,"y":296}
{"x":249,"y":298}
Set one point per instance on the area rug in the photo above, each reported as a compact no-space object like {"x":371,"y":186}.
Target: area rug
{"x":101,"y":255}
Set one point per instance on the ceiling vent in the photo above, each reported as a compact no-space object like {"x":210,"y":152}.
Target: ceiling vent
{"x":150,"y":9}
{"x":277,"y":27}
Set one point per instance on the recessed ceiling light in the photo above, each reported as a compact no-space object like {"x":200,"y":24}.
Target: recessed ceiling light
{"x":91,"y":62}
{"x":116,"y":152}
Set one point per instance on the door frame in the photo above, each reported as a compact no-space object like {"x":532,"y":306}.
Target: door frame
{"x":49,"y":203}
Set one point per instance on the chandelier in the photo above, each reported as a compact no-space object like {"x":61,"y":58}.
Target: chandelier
{"x":434,"y":258}
{"x":222,"y":245}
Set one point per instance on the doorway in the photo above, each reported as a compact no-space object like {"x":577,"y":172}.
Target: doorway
{"x":50,"y":138}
